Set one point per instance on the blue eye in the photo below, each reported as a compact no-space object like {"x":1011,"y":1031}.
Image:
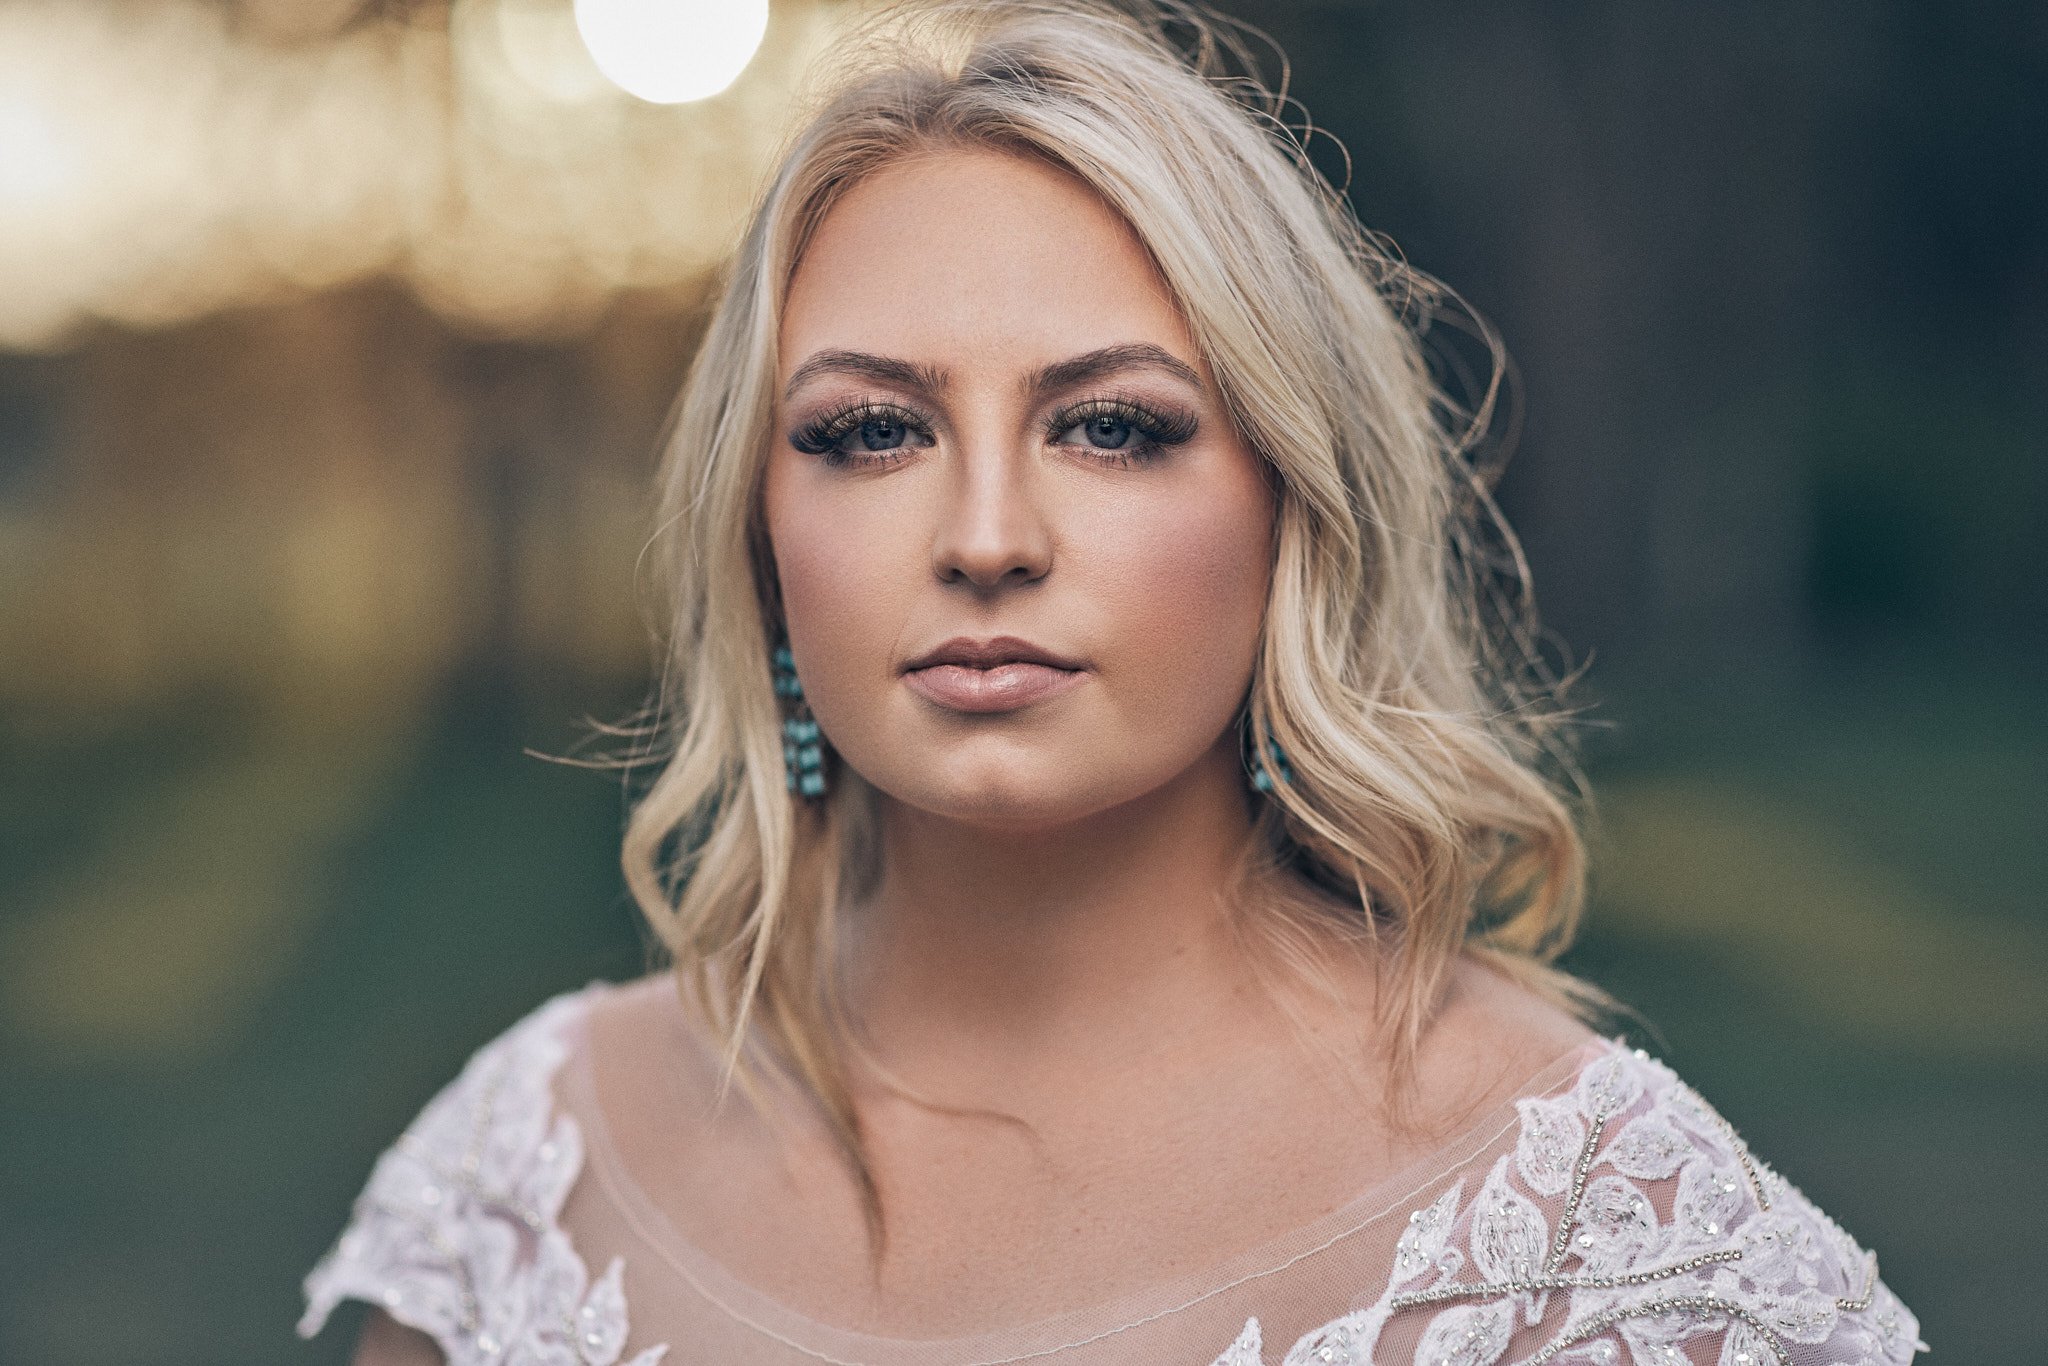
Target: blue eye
{"x":1120,"y":430}
{"x":1107,"y":433}
{"x":872,"y":432}
{"x":862,"y":433}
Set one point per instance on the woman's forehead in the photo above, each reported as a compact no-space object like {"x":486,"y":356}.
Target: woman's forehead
{"x":980,"y":258}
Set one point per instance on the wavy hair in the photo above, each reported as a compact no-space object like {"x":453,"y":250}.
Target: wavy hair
{"x":1432,"y":799}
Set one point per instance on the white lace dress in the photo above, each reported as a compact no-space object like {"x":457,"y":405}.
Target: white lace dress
{"x":1607,"y":1215}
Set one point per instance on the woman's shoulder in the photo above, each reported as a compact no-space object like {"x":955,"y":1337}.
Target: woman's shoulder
{"x":456,"y":1232}
{"x":1625,"y":1211}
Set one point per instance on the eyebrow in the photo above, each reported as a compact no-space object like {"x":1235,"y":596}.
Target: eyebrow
{"x":929,"y":379}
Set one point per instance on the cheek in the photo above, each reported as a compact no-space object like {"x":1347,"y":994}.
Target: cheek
{"x":841,"y":577}
{"x":1187,"y":580}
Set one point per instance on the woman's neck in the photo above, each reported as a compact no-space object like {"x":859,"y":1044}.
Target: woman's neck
{"x":993,"y":959}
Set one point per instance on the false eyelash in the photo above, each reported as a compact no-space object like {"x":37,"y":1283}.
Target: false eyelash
{"x":1156,"y":430}
{"x":822,"y":434}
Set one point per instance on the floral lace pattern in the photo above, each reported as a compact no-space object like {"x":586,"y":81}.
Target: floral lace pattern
{"x":456,"y":1233}
{"x":1629,"y":1224}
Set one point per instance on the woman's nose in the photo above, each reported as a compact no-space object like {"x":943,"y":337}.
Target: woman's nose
{"x":993,"y":531}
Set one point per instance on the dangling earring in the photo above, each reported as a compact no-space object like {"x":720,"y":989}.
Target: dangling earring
{"x":1265,"y":772}
{"x":1262,"y":777}
{"x":803,"y":751}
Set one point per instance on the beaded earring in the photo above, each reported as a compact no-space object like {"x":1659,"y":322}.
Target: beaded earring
{"x":803,"y":750}
{"x":1262,"y":776}
{"x":1265,"y":772}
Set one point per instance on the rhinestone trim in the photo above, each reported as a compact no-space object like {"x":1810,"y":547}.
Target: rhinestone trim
{"x":1493,"y":1289}
{"x":1869,"y":1287}
{"x":1742,"y":1153}
{"x":1569,"y":1219}
{"x":1706,"y":1302}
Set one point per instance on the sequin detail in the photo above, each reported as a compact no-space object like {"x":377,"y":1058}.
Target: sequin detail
{"x":1630,"y":1223}
{"x":456,"y":1232}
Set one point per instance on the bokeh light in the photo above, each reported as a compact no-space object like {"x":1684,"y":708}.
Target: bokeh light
{"x":672,"y":51}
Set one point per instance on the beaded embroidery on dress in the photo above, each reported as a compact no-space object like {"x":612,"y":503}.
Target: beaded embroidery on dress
{"x":1629,"y":1223}
{"x":456,"y":1233}
{"x":1613,"y":1220}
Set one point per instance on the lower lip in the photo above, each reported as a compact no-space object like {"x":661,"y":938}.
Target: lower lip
{"x":1006,"y":687}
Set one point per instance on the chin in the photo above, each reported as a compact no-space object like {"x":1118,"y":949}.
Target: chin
{"x":1016,"y":797}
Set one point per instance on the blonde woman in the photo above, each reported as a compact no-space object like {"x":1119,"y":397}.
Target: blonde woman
{"x":1103,"y":839}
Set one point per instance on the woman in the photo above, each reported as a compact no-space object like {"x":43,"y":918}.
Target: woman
{"x":1104,"y":839}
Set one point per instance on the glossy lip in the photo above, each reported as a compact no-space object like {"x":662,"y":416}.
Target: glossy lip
{"x":1003,"y":674}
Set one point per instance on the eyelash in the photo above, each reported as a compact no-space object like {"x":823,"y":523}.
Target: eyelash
{"x":1154,"y":431}
{"x":822,"y":434}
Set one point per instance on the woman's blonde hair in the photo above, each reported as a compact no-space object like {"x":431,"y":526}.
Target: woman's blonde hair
{"x":1398,"y":669}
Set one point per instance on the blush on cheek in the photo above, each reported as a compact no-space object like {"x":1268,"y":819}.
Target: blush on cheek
{"x":817,"y":554}
{"x":843,"y":600}
{"x":1188,"y":583}
{"x":834,"y":598}
{"x":1202,"y":563}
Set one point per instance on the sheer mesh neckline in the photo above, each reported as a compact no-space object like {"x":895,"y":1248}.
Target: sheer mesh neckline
{"x":1388,"y":1197}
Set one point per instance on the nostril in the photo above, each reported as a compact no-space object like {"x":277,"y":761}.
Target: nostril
{"x":994,"y":563}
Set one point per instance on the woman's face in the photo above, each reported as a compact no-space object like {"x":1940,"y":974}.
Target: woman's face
{"x":1023,"y":552}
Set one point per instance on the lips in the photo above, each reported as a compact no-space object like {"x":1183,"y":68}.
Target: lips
{"x":1003,"y":674}
{"x":988,"y":654}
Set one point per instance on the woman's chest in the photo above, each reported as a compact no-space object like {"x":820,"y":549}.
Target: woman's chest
{"x":990,"y":1218}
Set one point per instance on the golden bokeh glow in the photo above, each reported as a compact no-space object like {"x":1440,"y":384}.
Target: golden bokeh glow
{"x":163,"y":161}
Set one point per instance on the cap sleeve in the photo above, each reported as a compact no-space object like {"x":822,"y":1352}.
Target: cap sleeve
{"x":1629,"y":1223}
{"x":456,"y":1233}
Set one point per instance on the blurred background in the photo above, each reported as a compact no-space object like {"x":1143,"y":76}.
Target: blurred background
{"x":335,"y":338}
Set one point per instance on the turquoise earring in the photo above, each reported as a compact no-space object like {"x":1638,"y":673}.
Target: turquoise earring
{"x":1262,"y":776}
{"x":1269,"y":771}
{"x":803,"y":749}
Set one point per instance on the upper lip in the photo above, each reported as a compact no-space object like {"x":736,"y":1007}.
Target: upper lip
{"x":987,"y":654}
